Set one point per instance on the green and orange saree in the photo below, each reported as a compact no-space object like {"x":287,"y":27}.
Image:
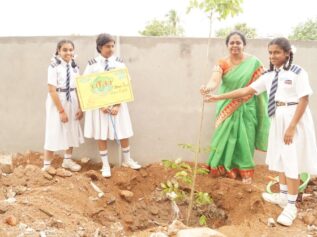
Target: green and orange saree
{"x":241,"y":124}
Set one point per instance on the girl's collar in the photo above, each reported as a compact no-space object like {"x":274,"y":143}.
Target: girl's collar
{"x":102,"y":58}
{"x":63,"y":62}
{"x":281,"y":68}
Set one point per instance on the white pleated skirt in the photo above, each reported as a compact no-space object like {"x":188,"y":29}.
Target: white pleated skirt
{"x":301,"y":155}
{"x":61,"y":136}
{"x":103,"y":126}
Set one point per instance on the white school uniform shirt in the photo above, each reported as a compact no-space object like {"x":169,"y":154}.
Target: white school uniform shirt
{"x":58,"y":135}
{"x":301,"y":155}
{"x":100,"y":125}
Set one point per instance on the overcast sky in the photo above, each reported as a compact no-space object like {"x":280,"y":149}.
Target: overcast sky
{"x":128,"y":17}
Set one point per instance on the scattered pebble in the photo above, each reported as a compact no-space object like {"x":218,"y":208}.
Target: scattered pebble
{"x":51,"y":170}
{"x":271,"y":222}
{"x":11,"y":220}
{"x":84,"y":160}
{"x":63,"y":173}
{"x":48,"y":176}
{"x":127,"y":195}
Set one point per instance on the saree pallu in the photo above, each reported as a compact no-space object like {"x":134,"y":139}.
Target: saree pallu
{"x":242,"y":125}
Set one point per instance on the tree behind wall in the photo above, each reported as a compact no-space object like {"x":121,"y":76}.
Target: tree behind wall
{"x":305,"y":31}
{"x":220,"y":8}
{"x":168,"y":27}
{"x":249,"y":32}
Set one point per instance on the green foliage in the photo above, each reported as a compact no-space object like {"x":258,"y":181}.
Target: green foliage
{"x":170,"y":164}
{"x":223,"y":32}
{"x":202,"y":171}
{"x":305,"y":31}
{"x":202,"y":198}
{"x":168,"y":27}
{"x":202,"y":220}
{"x":172,"y":186}
{"x":223,"y":8}
{"x":155,"y":28}
{"x":249,"y":32}
{"x":185,"y":174}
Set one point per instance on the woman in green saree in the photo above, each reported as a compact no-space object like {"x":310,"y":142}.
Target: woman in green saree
{"x":241,"y":124}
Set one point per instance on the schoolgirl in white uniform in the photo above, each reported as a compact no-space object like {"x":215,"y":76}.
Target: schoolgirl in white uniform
{"x":292,"y":143}
{"x":112,"y":122}
{"x":63,"y":113}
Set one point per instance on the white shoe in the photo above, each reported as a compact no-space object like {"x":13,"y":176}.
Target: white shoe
{"x":106,"y":171}
{"x":71,"y":165}
{"x":288,"y":215}
{"x":275,"y":198}
{"x":131,"y":164}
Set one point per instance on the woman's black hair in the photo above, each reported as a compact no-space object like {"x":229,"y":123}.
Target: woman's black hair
{"x":59,"y":46}
{"x":236,"y":33}
{"x":285,"y":45}
{"x":103,"y":39}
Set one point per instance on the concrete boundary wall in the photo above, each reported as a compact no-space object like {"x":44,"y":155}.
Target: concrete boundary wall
{"x":166,"y":75}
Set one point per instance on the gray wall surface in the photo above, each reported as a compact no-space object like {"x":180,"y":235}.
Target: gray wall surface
{"x":166,"y":75}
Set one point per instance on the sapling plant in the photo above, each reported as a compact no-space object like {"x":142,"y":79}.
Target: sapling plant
{"x":181,"y":181}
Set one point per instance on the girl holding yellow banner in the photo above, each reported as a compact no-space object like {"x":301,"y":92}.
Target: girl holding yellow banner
{"x":111,"y":122}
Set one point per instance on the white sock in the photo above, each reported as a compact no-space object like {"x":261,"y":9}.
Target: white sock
{"x":126,"y":153}
{"x":104,"y":158}
{"x":283,"y":191}
{"x":67,"y":156}
{"x":47,"y":163}
{"x":291,"y":199}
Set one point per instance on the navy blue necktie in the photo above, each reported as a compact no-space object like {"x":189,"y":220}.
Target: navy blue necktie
{"x":67,"y":82}
{"x":107,"y":65}
{"x":272,"y":104}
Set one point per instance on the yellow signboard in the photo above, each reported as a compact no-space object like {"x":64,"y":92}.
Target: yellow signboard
{"x":104,"y":89}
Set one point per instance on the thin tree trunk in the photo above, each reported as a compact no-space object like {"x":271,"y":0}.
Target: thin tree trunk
{"x":209,"y":36}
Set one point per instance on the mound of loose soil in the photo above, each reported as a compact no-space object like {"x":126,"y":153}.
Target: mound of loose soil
{"x":61,"y":203}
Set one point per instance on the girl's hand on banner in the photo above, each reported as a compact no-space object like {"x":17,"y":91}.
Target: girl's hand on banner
{"x":106,"y":110}
{"x":115,"y":110}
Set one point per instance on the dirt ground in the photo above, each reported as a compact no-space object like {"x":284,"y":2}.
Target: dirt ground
{"x":36,"y":203}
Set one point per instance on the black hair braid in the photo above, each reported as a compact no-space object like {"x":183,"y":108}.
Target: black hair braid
{"x":74,"y":64}
{"x":57,"y":60}
{"x":290,"y":61}
{"x":271,"y":67}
